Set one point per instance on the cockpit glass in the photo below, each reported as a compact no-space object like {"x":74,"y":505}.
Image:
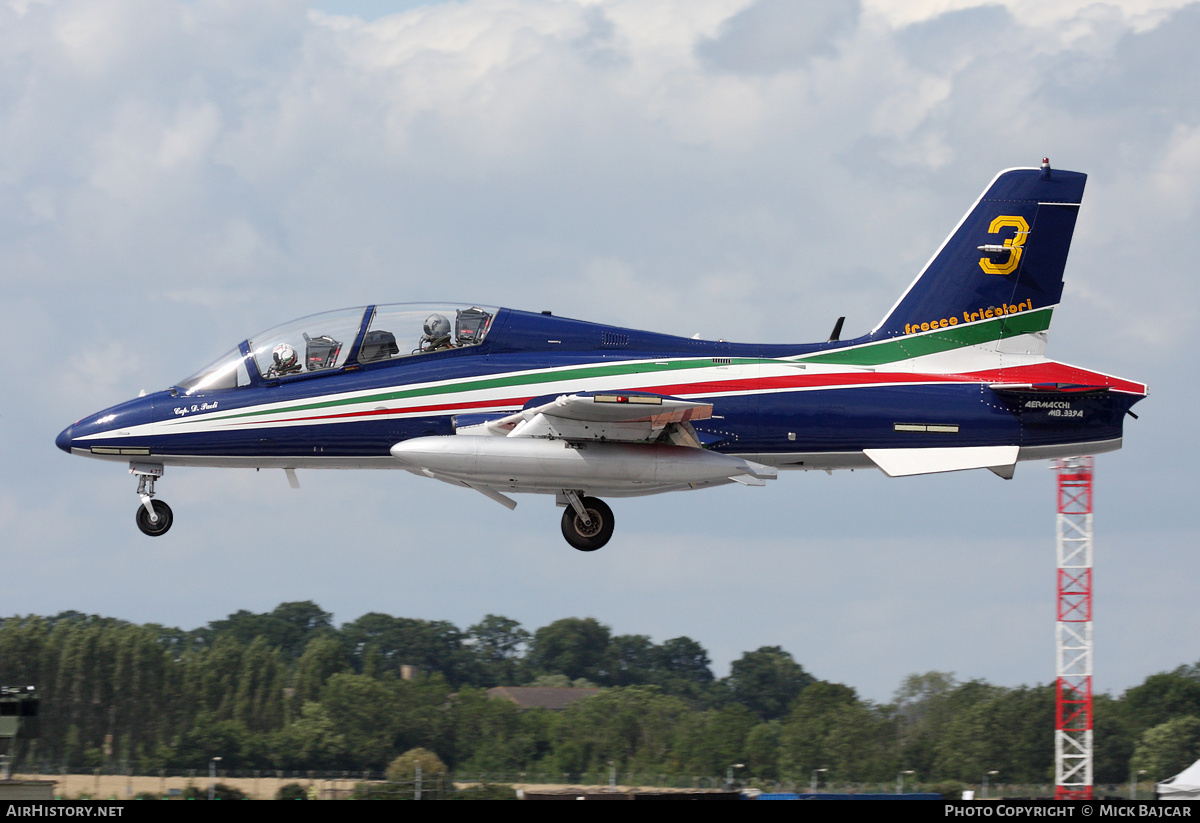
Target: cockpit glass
{"x":317,"y":343}
{"x":226,"y":372}
{"x":401,"y":330}
{"x":322,"y":342}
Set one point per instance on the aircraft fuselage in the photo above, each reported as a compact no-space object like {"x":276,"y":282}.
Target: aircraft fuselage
{"x":786,"y":406}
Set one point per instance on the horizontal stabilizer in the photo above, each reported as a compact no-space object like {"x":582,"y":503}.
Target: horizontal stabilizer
{"x":905,"y":462}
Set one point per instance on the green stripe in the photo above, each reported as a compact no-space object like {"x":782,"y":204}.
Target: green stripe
{"x":505,"y":381}
{"x":955,"y":337}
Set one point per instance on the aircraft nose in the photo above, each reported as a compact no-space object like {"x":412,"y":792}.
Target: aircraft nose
{"x":63,"y":441}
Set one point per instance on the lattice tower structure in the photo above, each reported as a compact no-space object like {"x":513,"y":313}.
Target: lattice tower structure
{"x":1073,"y":632}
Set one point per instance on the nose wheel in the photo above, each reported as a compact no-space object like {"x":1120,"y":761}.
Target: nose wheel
{"x":156,"y":523}
{"x":587,"y":522}
{"x":154,"y":517}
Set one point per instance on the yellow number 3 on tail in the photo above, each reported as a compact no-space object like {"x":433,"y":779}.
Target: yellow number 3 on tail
{"x":1013,"y":244}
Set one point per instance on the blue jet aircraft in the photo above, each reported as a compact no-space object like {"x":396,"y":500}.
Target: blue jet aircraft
{"x":504,"y":401}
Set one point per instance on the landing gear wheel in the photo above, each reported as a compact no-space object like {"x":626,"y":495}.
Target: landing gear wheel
{"x":164,"y":519}
{"x":588,"y":538}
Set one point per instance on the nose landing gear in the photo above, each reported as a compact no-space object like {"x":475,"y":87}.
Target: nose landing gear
{"x":154,"y":517}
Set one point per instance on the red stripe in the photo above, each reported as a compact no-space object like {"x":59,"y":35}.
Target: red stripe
{"x":801,"y":381}
{"x":747,"y":384}
{"x":1049,"y":372}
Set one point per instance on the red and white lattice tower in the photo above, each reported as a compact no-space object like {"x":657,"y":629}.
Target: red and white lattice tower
{"x":1073,"y":687}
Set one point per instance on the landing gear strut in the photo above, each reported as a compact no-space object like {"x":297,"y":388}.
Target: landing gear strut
{"x":587,"y":523}
{"x":153,"y":516}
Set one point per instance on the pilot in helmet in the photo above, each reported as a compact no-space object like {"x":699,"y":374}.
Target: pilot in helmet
{"x":437,"y":333}
{"x":284,"y":360}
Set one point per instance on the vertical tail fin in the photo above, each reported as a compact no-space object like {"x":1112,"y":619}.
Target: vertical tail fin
{"x":999,"y":274}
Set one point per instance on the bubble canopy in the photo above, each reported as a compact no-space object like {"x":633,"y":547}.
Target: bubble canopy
{"x":330,"y":341}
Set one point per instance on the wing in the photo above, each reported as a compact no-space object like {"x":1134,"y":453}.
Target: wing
{"x":611,"y":443}
{"x":624,"y":417}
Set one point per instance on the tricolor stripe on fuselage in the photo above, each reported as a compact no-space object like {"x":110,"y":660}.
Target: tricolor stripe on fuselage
{"x":858,"y":365}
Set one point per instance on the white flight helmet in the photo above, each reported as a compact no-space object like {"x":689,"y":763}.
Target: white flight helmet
{"x":284,"y":358}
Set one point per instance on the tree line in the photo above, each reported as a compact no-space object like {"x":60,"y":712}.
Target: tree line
{"x":290,"y":690}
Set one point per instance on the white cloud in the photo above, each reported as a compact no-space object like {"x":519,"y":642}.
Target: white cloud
{"x":1139,"y":15}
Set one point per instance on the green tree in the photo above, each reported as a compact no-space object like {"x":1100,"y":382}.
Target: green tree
{"x":258,"y":699}
{"x":395,"y":642}
{"x":498,"y":643}
{"x":830,"y":728}
{"x":766,"y":681}
{"x":1168,"y":748}
{"x":367,"y":713}
{"x":762,"y":750}
{"x":923,"y":706}
{"x":287,"y":628}
{"x":707,"y":742}
{"x":404,"y":767}
{"x":632,"y":727}
{"x":1162,"y":697}
{"x":1113,"y":742}
{"x":488,"y":735}
{"x":306,"y":616}
{"x":425,"y":715}
{"x":323,"y":657}
{"x":1011,"y":731}
{"x":311,"y":742}
{"x":630,"y":660}
{"x":682,"y":658}
{"x":574,"y":647}
{"x":210,"y":736}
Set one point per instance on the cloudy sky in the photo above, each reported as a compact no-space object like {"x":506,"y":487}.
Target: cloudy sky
{"x":175,"y":176}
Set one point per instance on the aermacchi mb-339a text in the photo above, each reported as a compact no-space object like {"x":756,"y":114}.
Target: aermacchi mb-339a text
{"x":504,"y":401}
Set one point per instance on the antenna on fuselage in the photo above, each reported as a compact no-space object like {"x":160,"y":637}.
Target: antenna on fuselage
{"x":837,"y":330}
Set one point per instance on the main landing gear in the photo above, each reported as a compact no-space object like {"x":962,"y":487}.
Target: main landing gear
{"x":587,"y":522}
{"x":153,"y":516}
